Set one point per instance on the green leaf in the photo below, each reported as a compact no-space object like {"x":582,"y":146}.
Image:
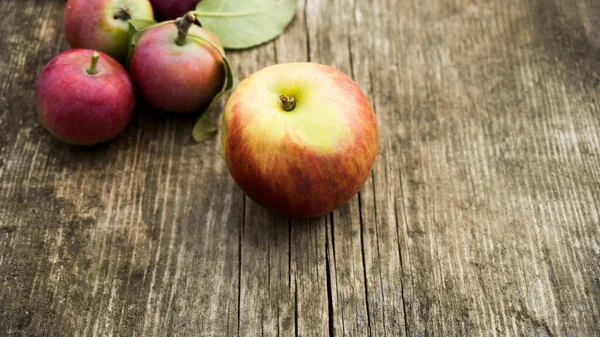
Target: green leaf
{"x":205,"y":129}
{"x":136,"y":30}
{"x":139,"y":25}
{"x":240,"y":24}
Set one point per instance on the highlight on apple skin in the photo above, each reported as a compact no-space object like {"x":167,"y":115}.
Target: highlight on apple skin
{"x":172,"y":9}
{"x":103,"y":24}
{"x":299,"y":138}
{"x":84,"y":97}
{"x":179,"y":77}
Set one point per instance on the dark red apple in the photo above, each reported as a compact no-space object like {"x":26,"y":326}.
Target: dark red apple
{"x":84,"y":97}
{"x":174,"y":72}
{"x":172,"y":9}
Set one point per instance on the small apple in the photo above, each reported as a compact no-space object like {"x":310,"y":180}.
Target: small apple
{"x":175,"y":72}
{"x":84,"y":97}
{"x":299,"y":138}
{"x":172,"y":9}
{"x":102,"y":24}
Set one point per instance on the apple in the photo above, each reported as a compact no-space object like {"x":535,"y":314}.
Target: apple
{"x":84,"y":97}
{"x":172,"y":9}
{"x":102,"y":24}
{"x":299,"y":138}
{"x":174,"y":72}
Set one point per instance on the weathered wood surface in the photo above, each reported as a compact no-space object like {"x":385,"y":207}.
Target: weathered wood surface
{"x":481,"y":217}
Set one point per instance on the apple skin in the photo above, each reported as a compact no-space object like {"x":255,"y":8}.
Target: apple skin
{"x":83,"y":109}
{"x":175,"y":78}
{"x":172,"y":9}
{"x":92,"y":24}
{"x":306,"y":162}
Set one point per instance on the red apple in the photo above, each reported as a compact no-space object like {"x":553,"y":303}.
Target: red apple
{"x":299,"y":138}
{"x":174,"y":72}
{"x":102,"y":24}
{"x":172,"y":9}
{"x":84,"y":97}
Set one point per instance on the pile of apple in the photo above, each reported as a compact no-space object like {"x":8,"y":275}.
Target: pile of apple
{"x":85,"y":96}
{"x":298,"y":138}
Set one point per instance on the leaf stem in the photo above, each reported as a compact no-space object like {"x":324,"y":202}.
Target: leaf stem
{"x":92,"y":70}
{"x":183,"y":27}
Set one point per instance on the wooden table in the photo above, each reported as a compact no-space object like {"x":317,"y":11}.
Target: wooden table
{"x":481,"y":216}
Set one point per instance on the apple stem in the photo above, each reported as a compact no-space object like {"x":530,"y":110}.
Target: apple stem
{"x":289,"y":103}
{"x":92,"y":70}
{"x":183,"y":26}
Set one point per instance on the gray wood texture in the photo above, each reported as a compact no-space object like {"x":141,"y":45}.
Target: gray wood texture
{"x":481,"y":216}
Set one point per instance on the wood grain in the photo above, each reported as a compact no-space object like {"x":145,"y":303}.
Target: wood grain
{"x":481,"y":216}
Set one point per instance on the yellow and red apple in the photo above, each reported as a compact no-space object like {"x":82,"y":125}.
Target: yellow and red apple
{"x":103,"y":24}
{"x":299,"y":138}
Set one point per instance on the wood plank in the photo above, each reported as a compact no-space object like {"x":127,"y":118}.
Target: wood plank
{"x":381,"y":238}
{"x":330,"y":44}
{"x":482,"y":123}
{"x":266,"y":295}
